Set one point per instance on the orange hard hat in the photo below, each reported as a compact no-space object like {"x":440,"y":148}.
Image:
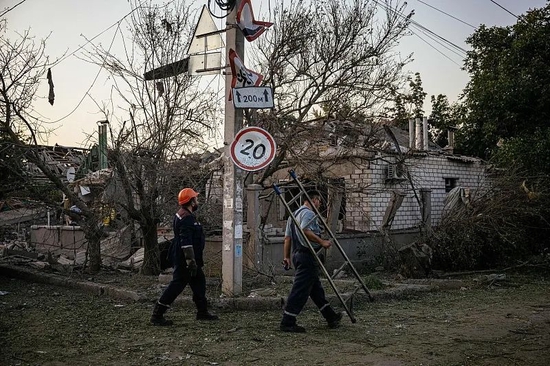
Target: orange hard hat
{"x":186,"y":195}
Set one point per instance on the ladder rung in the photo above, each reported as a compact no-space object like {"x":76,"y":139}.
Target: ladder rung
{"x":357,"y":288}
{"x":295,"y":198}
{"x":339,"y":270}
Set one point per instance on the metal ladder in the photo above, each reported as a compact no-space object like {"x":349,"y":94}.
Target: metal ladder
{"x":346,"y":303}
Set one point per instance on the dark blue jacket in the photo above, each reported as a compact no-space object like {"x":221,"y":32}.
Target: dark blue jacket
{"x":187,"y":231}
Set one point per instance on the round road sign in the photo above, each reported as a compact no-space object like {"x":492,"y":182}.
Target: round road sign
{"x":253,"y":149}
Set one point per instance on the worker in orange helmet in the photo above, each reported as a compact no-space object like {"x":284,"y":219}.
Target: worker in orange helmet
{"x":186,"y":256}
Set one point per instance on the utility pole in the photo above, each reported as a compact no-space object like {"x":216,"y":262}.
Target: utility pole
{"x":232,"y":234}
{"x":102,"y":147}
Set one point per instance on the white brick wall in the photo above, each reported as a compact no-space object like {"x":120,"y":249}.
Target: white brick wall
{"x":368,"y":193}
{"x":427,"y":172}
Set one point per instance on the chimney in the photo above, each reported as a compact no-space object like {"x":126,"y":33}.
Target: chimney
{"x":425,"y":133}
{"x":418,"y":134}
{"x":411,"y":134}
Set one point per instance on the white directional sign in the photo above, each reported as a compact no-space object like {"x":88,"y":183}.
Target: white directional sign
{"x":253,"y":148}
{"x":255,"y":97}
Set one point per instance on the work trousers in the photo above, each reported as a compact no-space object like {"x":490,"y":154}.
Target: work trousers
{"x":306,"y":283}
{"x":180,"y":278}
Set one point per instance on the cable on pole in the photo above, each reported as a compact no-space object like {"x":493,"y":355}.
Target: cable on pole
{"x":225,"y":5}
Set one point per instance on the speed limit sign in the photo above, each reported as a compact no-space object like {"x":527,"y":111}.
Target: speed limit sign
{"x":253,"y":149}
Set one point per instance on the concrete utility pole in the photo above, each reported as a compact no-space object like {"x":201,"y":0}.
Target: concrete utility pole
{"x":103,"y":163}
{"x":232,"y":239}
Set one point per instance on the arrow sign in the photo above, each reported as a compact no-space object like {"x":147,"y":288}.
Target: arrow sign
{"x":254,"y":97}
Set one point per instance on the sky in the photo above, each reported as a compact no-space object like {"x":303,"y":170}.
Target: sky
{"x":69,"y":23}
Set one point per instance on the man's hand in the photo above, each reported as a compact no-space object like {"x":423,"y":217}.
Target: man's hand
{"x":287,"y":264}
{"x":192,"y":267}
{"x":325,"y":243}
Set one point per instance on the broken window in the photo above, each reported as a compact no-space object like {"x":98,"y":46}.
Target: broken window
{"x":450,"y":183}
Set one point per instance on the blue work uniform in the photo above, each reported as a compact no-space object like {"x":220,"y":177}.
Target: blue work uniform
{"x":187,"y":232}
{"x":306,"y":276}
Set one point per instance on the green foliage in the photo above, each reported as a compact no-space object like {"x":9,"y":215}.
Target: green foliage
{"x":408,"y":104}
{"x":373,"y":282}
{"x":509,"y":91}
{"x":417,"y":96}
{"x":444,"y":116}
{"x":530,"y":153}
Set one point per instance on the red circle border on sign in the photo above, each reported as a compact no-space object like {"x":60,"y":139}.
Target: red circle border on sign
{"x":269,"y":139}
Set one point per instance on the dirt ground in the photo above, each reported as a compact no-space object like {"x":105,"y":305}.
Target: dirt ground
{"x":504,"y":323}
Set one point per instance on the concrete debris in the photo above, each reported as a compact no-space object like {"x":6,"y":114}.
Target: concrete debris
{"x":22,"y":215}
{"x":493,"y":278}
{"x":135,"y":261}
{"x":416,"y":260}
{"x":263,"y":292}
{"x":39,"y":265}
{"x":116,"y":247}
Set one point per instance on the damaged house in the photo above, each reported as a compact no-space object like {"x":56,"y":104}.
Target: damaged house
{"x":372,"y":182}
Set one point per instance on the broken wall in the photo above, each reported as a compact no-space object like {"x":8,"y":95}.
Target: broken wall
{"x":368,"y":189}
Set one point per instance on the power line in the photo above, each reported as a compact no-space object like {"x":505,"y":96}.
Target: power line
{"x":423,"y":29}
{"x":461,"y":55}
{"x":97,"y":35}
{"x":99,"y":71}
{"x":449,"y":15}
{"x":93,"y":82}
{"x":503,"y":8}
{"x":435,"y":48}
{"x":418,"y":25}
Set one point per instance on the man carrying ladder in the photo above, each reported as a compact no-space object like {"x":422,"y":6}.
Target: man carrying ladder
{"x":306,"y":276}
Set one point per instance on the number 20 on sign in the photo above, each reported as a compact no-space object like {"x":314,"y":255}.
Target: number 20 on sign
{"x":253,"y":149}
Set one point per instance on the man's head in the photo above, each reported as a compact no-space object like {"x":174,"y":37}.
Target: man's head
{"x":188,"y":198}
{"x":315,"y":198}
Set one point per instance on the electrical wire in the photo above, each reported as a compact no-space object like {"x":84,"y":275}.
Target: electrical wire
{"x":502,"y":7}
{"x":224,"y":5}
{"x":99,"y":34}
{"x":436,"y":49}
{"x":449,"y":15}
{"x":117,"y":23}
{"x":93,"y":82}
{"x":420,"y":26}
{"x":425,"y":30}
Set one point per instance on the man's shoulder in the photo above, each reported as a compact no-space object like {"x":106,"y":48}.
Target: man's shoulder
{"x":302,"y":210}
{"x":307,"y":211}
{"x":184,"y":217}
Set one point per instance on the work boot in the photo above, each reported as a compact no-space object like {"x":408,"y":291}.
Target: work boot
{"x":333,"y":318}
{"x":295,"y":328}
{"x":158,"y":315}
{"x":206,"y":315}
{"x":288,"y":324}
{"x":202,"y":309}
{"x":335,"y":322}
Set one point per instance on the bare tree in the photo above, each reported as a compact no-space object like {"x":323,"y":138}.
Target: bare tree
{"x":161,"y":121}
{"x":22,"y":65}
{"x":328,"y":54}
